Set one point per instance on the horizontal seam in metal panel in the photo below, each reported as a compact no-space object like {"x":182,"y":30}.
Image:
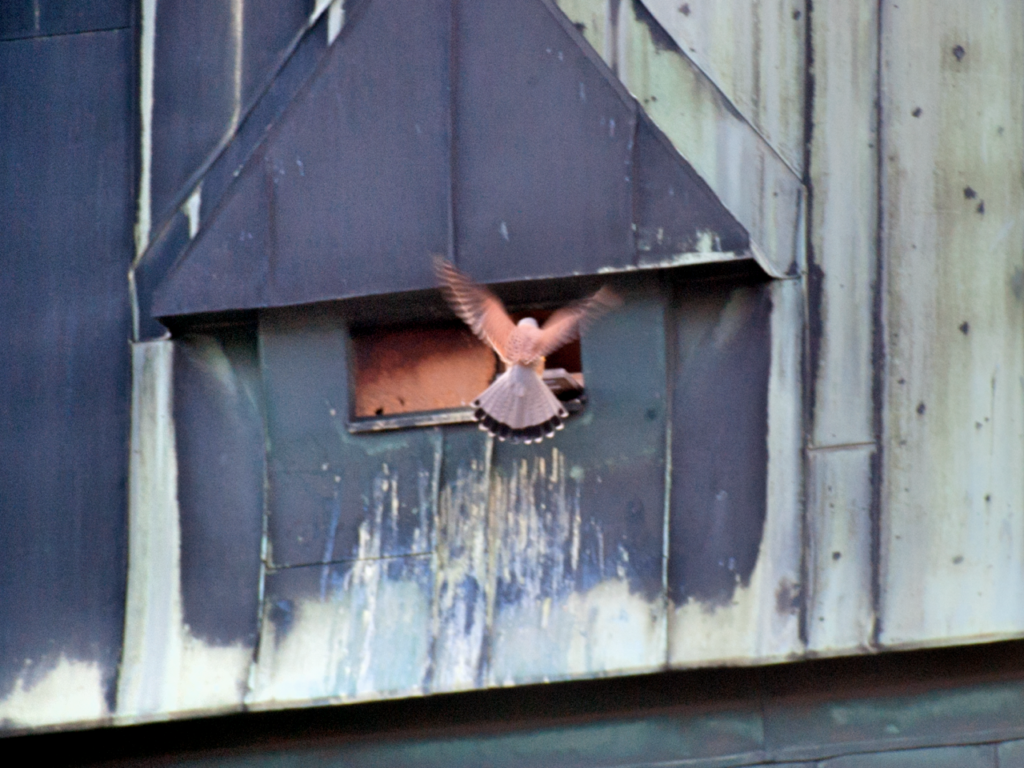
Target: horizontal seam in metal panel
{"x":62,"y":34}
{"x":735,"y":760}
{"x":841,"y":447}
{"x":341,"y":561}
{"x":822,"y":751}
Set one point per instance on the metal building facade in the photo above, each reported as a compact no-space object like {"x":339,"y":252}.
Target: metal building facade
{"x":805,"y":429}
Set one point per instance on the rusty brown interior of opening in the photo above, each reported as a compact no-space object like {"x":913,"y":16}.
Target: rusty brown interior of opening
{"x":427,"y":368}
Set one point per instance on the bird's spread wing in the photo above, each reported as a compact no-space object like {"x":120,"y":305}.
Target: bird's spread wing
{"x":569,"y":322}
{"x":476,"y":306}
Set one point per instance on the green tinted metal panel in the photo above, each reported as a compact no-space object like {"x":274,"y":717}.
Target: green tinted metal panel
{"x":334,"y":496}
{"x":464,"y":583}
{"x":942,"y":757}
{"x":577,"y":522}
{"x":798,"y":725}
{"x":1011,"y":754}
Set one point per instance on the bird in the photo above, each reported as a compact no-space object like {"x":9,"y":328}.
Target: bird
{"x":518,"y":406}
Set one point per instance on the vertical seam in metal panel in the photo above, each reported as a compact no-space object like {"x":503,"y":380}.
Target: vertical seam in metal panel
{"x":671,"y":355}
{"x":812,"y":315}
{"x":491,"y":566}
{"x":611,"y":35}
{"x":427,"y":681}
{"x":147,"y":55}
{"x":134,"y":77}
{"x":265,"y":536}
{"x":270,"y":189}
{"x":633,"y":191}
{"x":878,"y":340}
{"x":453,"y":64}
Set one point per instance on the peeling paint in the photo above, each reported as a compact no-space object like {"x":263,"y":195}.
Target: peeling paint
{"x":73,"y":691}
{"x":461,"y":605}
{"x":606,"y":629}
{"x":561,"y":604}
{"x":709,"y":256}
{"x":367,"y":638}
{"x":364,"y":632}
{"x":164,"y":668}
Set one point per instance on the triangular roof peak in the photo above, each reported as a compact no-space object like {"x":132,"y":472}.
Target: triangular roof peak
{"x":487,"y":130}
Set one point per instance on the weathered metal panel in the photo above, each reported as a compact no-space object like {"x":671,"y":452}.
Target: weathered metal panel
{"x":953,"y":500}
{"x":540,"y":166}
{"x":942,"y":757}
{"x":841,"y":321}
{"x":43,"y":18}
{"x":844,"y":226}
{"x":344,"y":631}
{"x":462,"y":605}
{"x":735,"y":554}
{"x":1010,"y":754}
{"x":197,"y":50}
{"x":706,"y":740}
{"x":754,"y":51}
{"x":890,"y":705}
{"x":543,"y":147}
{"x":235,"y":268}
{"x":366,"y":139}
{"x":326,"y":485}
{"x":211,"y":59}
{"x":676,"y":215}
{"x":728,"y":153}
{"x":176,"y":658}
{"x":172,"y":237}
{"x":359,"y":167}
{"x":839,"y":595}
{"x":218,"y":424}
{"x":577,"y":529}
{"x":358,"y":504}
{"x":719,"y":440}
{"x":66,"y":156}
{"x":254,"y":128}
{"x":147,"y":273}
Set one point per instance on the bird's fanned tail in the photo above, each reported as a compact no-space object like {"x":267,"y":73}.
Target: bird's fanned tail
{"x":519,"y":407}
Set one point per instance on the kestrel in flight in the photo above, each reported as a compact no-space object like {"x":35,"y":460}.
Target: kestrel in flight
{"x":518,"y":406}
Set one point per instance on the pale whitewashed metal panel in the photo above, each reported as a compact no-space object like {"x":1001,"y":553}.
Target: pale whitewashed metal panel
{"x":754,"y":51}
{"x":844,"y":159}
{"x":164,"y":668}
{"x":841,"y":279}
{"x":742,"y":168}
{"x":840,"y":610}
{"x":952,"y":568}
{"x":762,"y":621}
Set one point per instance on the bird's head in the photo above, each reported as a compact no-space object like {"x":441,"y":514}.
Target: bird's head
{"x":527,"y":322}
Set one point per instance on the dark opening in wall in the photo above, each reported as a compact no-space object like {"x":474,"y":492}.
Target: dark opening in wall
{"x":410,"y":369}
{"x":439,"y":367}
